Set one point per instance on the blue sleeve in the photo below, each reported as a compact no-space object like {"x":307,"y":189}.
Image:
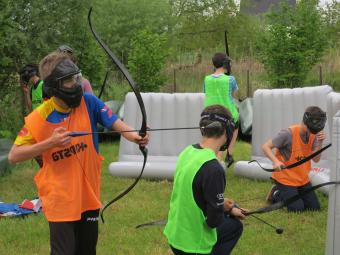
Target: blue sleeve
{"x":99,"y":112}
{"x":233,"y":84}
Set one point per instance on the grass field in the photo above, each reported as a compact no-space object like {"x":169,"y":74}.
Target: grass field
{"x":304,"y":233}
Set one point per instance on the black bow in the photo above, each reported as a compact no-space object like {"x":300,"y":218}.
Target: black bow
{"x":134,"y":87}
{"x":281,"y":204}
{"x":300,"y":162}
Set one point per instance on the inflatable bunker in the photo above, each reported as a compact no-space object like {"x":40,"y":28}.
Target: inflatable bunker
{"x":164,"y":110}
{"x":275,"y":109}
{"x":333,"y":221}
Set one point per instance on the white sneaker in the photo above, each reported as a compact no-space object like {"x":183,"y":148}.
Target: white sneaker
{"x":223,"y":165}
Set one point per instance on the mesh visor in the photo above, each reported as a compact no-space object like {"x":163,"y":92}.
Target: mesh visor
{"x":315,"y":122}
{"x":70,"y":80}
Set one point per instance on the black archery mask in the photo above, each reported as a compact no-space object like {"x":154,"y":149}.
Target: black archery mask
{"x":28,"y":71}
{"x":315,"y":122}
{"x":219,"y":124}
{"x":65,"y":82}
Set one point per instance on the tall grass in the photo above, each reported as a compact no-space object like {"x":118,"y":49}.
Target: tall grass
{"x":249,"y":73}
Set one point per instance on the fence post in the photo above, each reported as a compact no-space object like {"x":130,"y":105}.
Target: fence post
{"x":248,"y":84}
{"x":320,"y":75}
{"x":175,"y":85}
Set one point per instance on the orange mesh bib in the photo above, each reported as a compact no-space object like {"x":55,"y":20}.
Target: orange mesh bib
{"x":299,"y":175}
{"x":69,"y":181}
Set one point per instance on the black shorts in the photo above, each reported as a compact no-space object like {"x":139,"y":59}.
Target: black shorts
{"x":75,"y":237}
{"x":308,"y":201}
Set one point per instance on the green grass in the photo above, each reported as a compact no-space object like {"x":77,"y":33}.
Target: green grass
{"x":304,"y":233}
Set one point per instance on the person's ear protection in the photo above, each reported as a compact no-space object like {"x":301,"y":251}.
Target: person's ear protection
{"x":218,"y":125}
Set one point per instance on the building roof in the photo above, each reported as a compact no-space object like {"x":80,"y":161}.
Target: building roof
{"x":254,"y":7}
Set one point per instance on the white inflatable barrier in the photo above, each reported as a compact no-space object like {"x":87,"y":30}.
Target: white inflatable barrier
{"x":254,"y":171}
{"x":279,"y":108}
{"x":333,"y":224}
{"x":164,"y":110}
{"x":273,"y":110}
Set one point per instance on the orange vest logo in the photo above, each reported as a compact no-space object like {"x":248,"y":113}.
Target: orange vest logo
{"x":298,"y":158}
{"x":23,"y":132}
{"x":68,"y":152}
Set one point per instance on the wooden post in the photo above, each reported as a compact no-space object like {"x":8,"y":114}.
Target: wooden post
{"x":248,"y":84}
{"x":174,"y":89}
{"x":320,"y":75}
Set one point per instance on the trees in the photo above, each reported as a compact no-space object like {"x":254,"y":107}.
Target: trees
{"x":292,"y":42}
{"x":331,"y":16}
{"x":147,"y":58}
{"x":29,"y":30}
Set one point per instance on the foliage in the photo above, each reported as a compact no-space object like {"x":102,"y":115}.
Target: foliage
{"x":292,"y":42}
{"x":331,"y":16}
{"x":29,"y":31}
{"x":5,"y":134}
{"x":119,"y":21}
{"x":11,"y":103}
{"x":147,"y":58}
{"x":201,"y":26}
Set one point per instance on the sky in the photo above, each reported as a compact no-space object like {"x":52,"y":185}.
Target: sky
{"x":322,"y":2}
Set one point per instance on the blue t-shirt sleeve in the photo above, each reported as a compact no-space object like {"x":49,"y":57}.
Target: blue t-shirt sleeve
{"x":99,"y":112}
{"x":233,"y":84}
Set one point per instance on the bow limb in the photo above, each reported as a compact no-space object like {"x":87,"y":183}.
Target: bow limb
{"x":104,"y":83}
{"x":281,"y":204}
{"x":152,"y":223}
{"x":125,"y":72}
{"x":136,"y":91}
{"x":263,"y":168}
{"x":300,"y":162}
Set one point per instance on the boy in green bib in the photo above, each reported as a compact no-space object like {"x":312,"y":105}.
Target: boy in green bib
{"x":221,"y":88}
{"x":200,"y":219}
{"x":32,"y":86}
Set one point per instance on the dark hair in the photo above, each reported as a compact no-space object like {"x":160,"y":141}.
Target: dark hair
{"x":314,"y":110}
{"x":218,"y":113}
{"x":219,"y":60}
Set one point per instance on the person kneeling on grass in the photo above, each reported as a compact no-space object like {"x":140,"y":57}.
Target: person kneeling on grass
{"x":200,"y":219}
{"x":293,"y":144}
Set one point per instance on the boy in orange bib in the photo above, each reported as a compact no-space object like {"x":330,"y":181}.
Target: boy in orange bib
{"x":291,"y":145}
{"x":69,"y":180}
